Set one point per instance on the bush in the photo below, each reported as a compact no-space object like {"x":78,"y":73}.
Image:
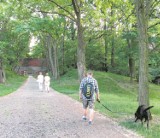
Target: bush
{"x":154,"y":73}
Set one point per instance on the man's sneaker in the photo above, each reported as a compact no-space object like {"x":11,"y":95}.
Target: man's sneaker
{"x":90,"y":122}
{"x":84,"y":118}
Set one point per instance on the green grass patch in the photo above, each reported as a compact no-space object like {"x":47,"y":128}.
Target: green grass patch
{"x":119,"y":95}
{"x":67,"y":84}
{"x":152,"y":132}
{"x":12,"y":83}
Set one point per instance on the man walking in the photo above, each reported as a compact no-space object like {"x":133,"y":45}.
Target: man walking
{"x":40,"y":80}
{"x":88,"y":91}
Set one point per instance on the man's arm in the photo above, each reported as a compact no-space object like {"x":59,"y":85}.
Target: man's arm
{"x":97,"y":97}
{"x":80,"y":94}
{"x":97,"y":91}
{"x":80,"y":90}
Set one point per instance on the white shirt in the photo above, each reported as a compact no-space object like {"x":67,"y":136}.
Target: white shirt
{"x":40,"y":78}
{"x":47,"y":80}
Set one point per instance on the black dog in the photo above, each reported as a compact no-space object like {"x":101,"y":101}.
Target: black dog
{"x":143,"y":113}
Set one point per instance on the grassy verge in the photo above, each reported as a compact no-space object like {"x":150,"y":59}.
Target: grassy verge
{"x":12,"y":84}
{"x":119,"y":95}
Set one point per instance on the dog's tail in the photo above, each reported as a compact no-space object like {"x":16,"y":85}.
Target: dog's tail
{"x":148,"y":108}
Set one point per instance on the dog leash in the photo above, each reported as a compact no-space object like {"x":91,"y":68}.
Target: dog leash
{"x":110,"y":109}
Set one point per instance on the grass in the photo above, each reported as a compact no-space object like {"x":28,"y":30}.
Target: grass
{"x":119,"y":95}
{"x":11,"y":85}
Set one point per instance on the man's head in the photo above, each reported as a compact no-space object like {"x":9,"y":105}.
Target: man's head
{"x":89,"y":73}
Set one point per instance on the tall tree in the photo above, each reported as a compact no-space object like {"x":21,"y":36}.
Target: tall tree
{"x":77,"y":17}
{"x":142,"y":12}
{"x":81,"y":44}
{"x":106,"y":46}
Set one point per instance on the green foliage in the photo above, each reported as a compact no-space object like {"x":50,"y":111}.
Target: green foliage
{"x":20,"y":20}
{"x":154,"y":72}
{"x":68,"y":56}
{"x":40,"y":18}
{"x":37,"y":51}
{"x":11,"y":85}
{"x":95,"y":56}
{"x":46,"y":25}
{"x":13,"y":44}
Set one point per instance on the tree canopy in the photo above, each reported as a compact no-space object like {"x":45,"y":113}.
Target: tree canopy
{"x":83,"y":34}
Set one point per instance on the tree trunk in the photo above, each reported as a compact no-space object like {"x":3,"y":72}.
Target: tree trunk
{"x":142,"y":9}
{"x":45,"y":43}
{"x":2,"y":76}
{"x":80,"y":52}
{"x":63,"y":56}
{"x":73,"y":31}
{"x":131,"y":68}
{"x":112,"y":43}
{"x":2,"y":73}
{"x":55,"y":58}
{"x":131,"y":61}
{"x":113,"y":53}
{"x":50,"y":53}
{"x":81,"y":45}
{"x":106,"y":46}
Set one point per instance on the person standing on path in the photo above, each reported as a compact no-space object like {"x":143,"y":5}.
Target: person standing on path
{"x":40,"y":80}
{"x":47,"y":82}
{"x":88,"y":90}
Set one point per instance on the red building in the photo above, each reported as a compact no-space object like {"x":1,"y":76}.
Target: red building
{"x":32,"y":66}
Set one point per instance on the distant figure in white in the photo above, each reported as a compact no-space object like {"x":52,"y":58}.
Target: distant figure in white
{"x":47,"y":82}
{"x":40,"y":80}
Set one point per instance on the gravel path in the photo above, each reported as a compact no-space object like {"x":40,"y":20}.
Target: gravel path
{"x":28,"y":113}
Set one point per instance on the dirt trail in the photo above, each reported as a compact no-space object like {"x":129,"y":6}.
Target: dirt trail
{"x":28,"y":113}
